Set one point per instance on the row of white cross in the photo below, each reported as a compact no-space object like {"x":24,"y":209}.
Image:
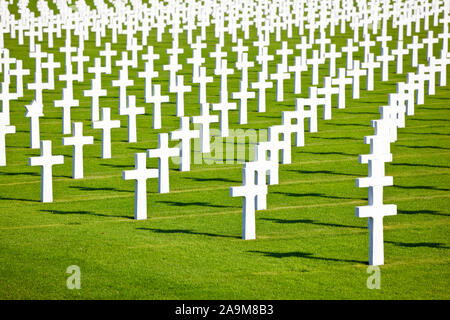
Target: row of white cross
{"x":35,"y":110}
{"x":268,"y":16}
{"x":254,"y":189}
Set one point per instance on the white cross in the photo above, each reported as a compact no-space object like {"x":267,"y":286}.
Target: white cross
{"x":202,"y":80}
{"x":261,"y":85}
{"x":356,"y":73}
{"x":108,"y":53}
{"x":5,"y":97}
{"x":68,"y":76}
{"x":444,"y":35}
{"x":50,"y":65}
{"x":298,"y":67}
{"x":134,"y":48}
{"x":263,"y":59}
{"x":398,"y":104}
{"x":224,"y":72}
{"x":96,"y":90}
{"x":122,"y":83}
{"x":157,"y":99}
{"x":277,"y":24}
{"x":376,"y":180}
{"x":19,"y":72}
{"x":124,"y":62}
{"x":218,"y":55}
{"x":224,"y":106}
{"x":163,"y":153}
{"x":269,"y":165}
{"x":129,"y":30}
{"x":68,"y":49}
{"x":414,"y":47}
{"x":349,"y":49}
{"x":303,"y":46}
{"x":37,"y":54}
{"x":243,"y":95}
{"x":322,"y":41}
{"x":77,"y":141}
{"x":140,"y":174}
{"x":312,"y":26}
{"x":185,"y":134}
{"x":98,"y":33}
{"x":299,"y":116}
{"x":80,"y":59}
{"x":370,"y":65}
{"x":367,"y":43}
{"x":106,"y":124}
{"x":220,"y":30}
{"x":37,"y":86}
{"x":284,"y":52}
{"x":250,"y":191}
{"x":260,"y":43}
{"x":145,"y":28}
{"x":429,"y":41}
{"x":34,"y":111}
{"x":327,"y":91}
{"x":384,"y":40}
{"x":332,"y":55}
{"x":285,"y":144}
{"x":175,"y":30}
{"x":400,"y":52}
{"x":46,"y":160}
{"x":356,"y":23}
{"x":384,"y":58}
{"x":205,"y":119}
{"x":408,"y":94}
{"x":172,"y":67}
{"x":189,"y":27}
{"x":313,"y":102}
{"x":31,"y":33}
{"x":315,"y":61}
{"x":341,"y":81}
{"x":386,"y":126}
{"x":180,"y":89}
{"x":132,"y":111}
{"x":4,"y":130}
{"x":243,"y":66}
{"x":441,"y":65}
{"x":428,"y":73}
{"x":415,"y":83}
{"x":240,"y":49}
{"x":280,"y":76}
{"x":197,"y":58}
{"x":66,"y":104}
{"x":148,"y":74}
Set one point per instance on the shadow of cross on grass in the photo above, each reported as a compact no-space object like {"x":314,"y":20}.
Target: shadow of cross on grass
{"x":315,"y":194}
{"x":214,"y":179}
{"x":436,"y":245}
{"x":419,"y":165}
{"x":83,"y":212}
{"x":306,"y":255}
{"x":186,"y":231}
{"x":422,"y":147}
{"x":421,"y":187}
{"x":323,"y":171}
{"x":83,"y":188}
{"x":309,"y":221}
{"x":195,"y":203}
{"x":432,"y":212}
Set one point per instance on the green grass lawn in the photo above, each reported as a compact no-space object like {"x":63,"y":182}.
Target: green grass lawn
{"x":309,"y":243}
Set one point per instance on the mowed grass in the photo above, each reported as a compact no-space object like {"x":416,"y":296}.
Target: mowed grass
{"x":309,"y":243}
